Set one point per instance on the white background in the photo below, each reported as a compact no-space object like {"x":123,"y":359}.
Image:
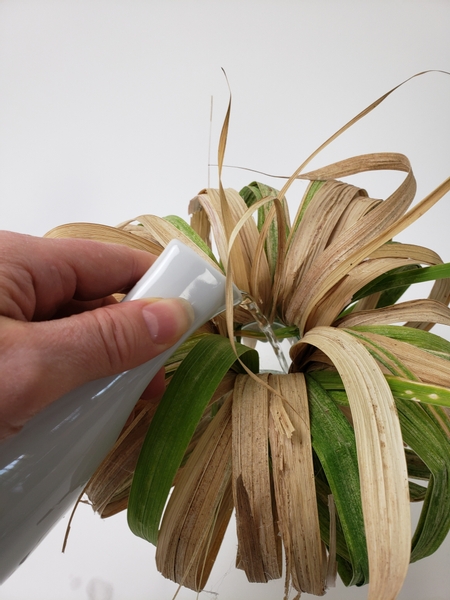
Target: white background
{"x":105,"y":115}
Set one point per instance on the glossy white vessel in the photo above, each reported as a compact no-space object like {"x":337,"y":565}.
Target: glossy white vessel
{"x":44,"y":468}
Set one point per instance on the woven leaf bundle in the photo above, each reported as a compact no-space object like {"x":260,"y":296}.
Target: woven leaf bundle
{"x":323,"y":461}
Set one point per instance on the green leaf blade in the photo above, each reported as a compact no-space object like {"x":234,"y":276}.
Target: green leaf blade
{"x":252,"y":193}
{"x":404,"y":389}
{"x":405,"y":278}
{"x":185,"y":228}
{"x":423,"y":433}
{"x":173,"y":425}
{"x":334,"y":443}
{"x":426,"y":340}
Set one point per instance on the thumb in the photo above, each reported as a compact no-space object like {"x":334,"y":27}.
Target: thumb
{"x":54,"y":357}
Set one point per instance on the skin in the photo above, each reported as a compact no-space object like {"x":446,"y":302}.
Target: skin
{"x":61,"y":327}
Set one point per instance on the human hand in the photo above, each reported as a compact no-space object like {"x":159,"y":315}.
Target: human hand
{"x":61,"y":327}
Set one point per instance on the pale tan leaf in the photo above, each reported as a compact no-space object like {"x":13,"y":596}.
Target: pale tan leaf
{"x":260,"y":274}
{"x":261,"y":560}
{"x":426,"y":366}
{"x":353,"y":213}
{"x":199,"y":221}
{"x":417,"y":310}
{"x":104,"y":233}
{"x":236,"y":263}
{"x":224,"y":389}
{"x":363,"y":163}
{"x":164,"y":232}
{"x":381,"y":458}
{"x":367,"y":303}
{"x":349,"y":124}
{"x":259,"y":277}
{"x":419,"y":254}
{"x":313,"y":233}
{"x":243,"y":240}
{"x":199,"y":508}
{"x":249,"y":555}
{"x":418,"y":210}
{"x":389,"y":256}
{"x":109,"y":486}
{"x":136,"y":229}
{"x":295,"y":491}
{"x":214,"y":215}
{"x":354,"y":245}
{"x":332,"y":304}
{"x":440,"y":292}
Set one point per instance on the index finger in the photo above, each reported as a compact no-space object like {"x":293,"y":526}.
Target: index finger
{"x":51,"y":272}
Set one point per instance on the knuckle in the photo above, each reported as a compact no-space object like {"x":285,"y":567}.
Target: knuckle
{"x":117,"y":341}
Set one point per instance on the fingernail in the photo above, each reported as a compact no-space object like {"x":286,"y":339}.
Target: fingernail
{"x":168,"y":319}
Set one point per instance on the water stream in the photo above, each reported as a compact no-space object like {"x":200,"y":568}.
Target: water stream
{"x":266,"y":328}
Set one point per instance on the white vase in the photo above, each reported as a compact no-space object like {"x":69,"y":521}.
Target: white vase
{"x":44,"y":467}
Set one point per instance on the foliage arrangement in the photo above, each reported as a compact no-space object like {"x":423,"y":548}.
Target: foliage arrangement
{"x":323,"y":460}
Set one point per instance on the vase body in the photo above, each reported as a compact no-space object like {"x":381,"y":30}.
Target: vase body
{"x":44,"y":468}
